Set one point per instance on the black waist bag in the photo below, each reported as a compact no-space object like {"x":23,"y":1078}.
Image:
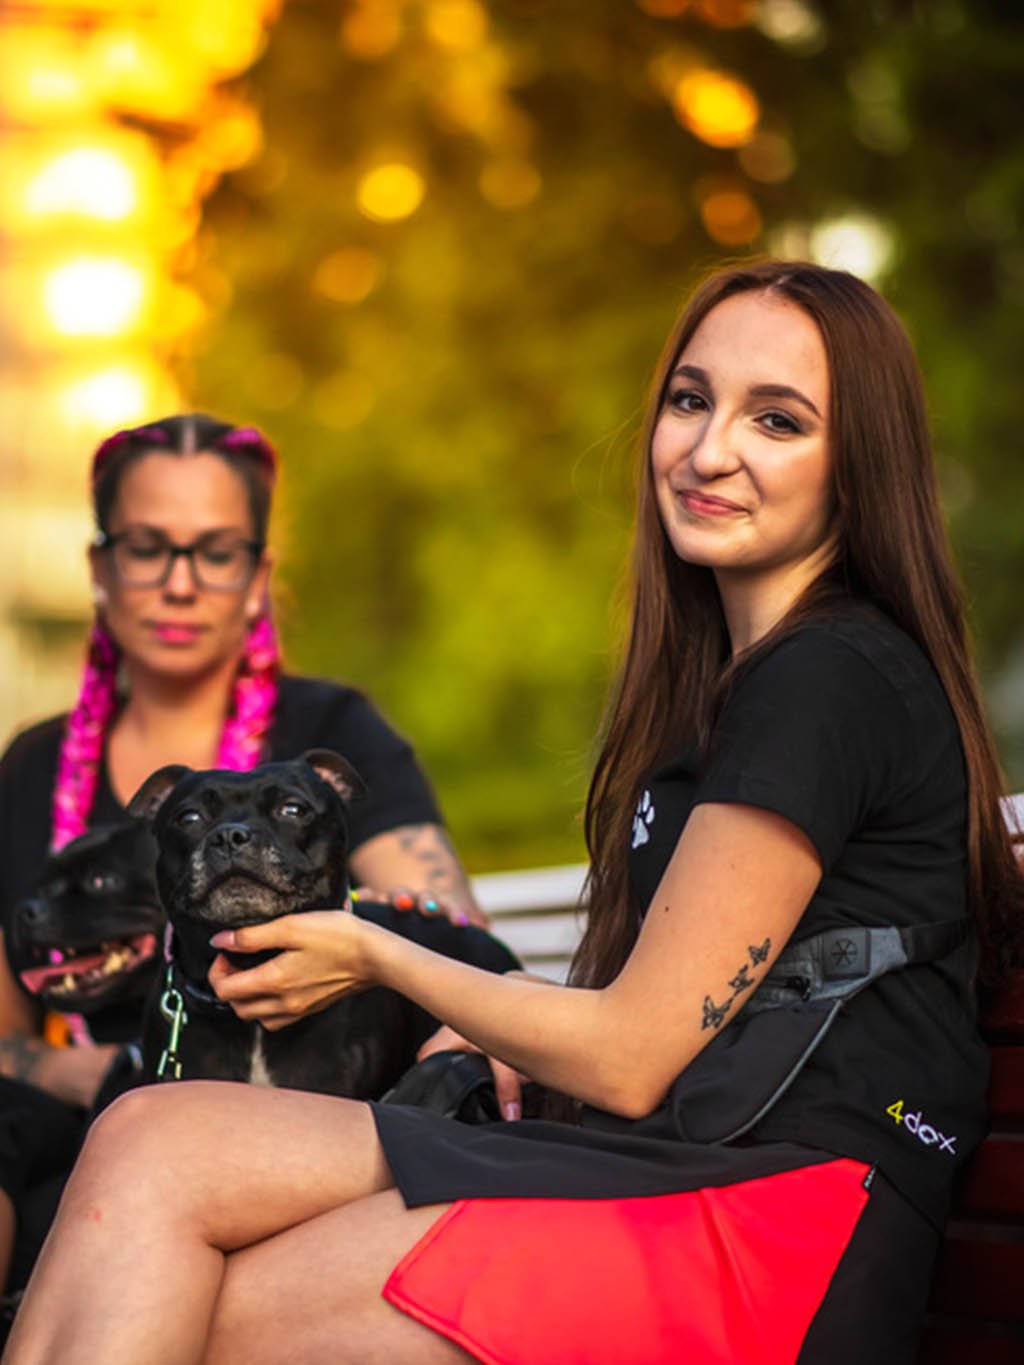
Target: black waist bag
{"x":742,"y":1074}
{"x":734,"y":1082}
{"x":457,"y":1085}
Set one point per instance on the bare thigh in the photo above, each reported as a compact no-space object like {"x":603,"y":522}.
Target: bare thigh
{"x":230,"y":1163}
{"x":313,"y":1294}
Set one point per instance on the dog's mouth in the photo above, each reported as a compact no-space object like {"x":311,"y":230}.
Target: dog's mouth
{"x":242,"y":897}
{"x":89,"y":970}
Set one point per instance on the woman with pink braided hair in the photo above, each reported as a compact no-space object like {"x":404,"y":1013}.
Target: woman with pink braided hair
{"x":183,"y":666}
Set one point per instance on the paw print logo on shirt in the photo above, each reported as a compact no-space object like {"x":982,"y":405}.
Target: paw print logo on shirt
{"x":642,"y":820}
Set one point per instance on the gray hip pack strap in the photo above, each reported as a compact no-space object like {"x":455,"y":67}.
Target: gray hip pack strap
{"x":743,"y":1073}
{"x":835,"y":965}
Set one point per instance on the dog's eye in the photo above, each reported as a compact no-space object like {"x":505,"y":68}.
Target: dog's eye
{"x":292,"y":809}
{"x":189,"y":818}
{"x":103,"y":883}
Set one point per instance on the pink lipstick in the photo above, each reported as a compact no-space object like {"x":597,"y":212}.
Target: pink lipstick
{"x":705,"y":505}
{"x":176,"y":633}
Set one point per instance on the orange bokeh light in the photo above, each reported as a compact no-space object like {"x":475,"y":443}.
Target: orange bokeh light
{"x":727,"y":13}
{"x":348,"y":275}
{"x":730,"y":215}
{"x":457,"y":24}
{"x":371,"y":29}
{"x":390,"y":192}
{"x":718,"y":108}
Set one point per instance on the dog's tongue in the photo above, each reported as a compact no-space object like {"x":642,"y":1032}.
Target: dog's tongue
{"x":35,"y":978}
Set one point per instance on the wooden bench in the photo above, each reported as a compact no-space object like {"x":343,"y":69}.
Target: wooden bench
{"x":977,"y":1304}
{"x":535,"y":913}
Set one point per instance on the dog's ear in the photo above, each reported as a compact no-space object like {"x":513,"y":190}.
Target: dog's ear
{"x":336,"y":771}
{"x":88,"y":842}
{"x":155,"y":790}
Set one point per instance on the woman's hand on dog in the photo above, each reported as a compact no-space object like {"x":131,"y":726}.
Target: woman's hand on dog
{"x":323,"y":955}
{"x":508,"y":1083}
{"x":426,"y":903}
{"x":320,"y":958}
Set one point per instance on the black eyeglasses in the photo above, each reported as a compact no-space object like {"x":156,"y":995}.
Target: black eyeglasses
{"x":144,"y":558}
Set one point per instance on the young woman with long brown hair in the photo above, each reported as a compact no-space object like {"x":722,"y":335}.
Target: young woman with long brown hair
{"x":768,"y":1044}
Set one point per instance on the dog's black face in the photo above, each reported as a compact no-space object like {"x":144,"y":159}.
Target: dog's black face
{"x":90,"y":935}
{"x":243,"y":848}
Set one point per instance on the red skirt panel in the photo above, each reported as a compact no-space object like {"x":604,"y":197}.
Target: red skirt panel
{"x":718,"y":1276}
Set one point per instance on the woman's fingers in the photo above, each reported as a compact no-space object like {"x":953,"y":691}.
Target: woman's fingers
{"x":369,"y":893}
{"x":425,"y":903}
{"x":508,"y":1086}
{"x":254,"y":938}
{"x":272,"y":1007}
{"x":240,"y":983}
{"x":321,"y":941}
{"x":317,"y":962}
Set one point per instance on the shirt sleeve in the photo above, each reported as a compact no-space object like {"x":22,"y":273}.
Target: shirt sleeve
{"x":397,"y":789}
{"x":814,"y":732}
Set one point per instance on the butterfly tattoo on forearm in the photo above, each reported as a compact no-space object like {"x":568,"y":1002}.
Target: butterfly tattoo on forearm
{"x":713,"y":1015}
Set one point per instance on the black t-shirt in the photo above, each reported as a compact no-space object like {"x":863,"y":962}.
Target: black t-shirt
{"x":310,"y":714}
{"x":844,"y":729}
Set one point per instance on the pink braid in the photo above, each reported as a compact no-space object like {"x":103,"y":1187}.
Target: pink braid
{"x":253,"y":700}
{"x":241,"y":746}
{"x":82,"y":746}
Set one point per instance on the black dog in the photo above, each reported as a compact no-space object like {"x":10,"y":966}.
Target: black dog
{"x":244,"y":848}
{"x":88,"y":941}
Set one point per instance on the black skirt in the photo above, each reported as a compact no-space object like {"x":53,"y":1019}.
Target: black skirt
{"x":576,"y":1246}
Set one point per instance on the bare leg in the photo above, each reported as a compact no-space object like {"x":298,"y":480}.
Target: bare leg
{"x":171,"y":1178}
{"x":312,"y":1295}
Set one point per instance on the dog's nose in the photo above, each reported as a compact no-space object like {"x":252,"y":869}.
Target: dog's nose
{"x":231,"y":836}
{"x":31,"y":911}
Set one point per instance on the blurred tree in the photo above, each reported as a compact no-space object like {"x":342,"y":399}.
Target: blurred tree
{"x":444,"y":282}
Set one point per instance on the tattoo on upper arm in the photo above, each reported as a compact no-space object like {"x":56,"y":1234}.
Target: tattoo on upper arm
{"x":742,"y":981}
{"x":712,"y":1015}
{"x":430,"y":845}
{"x":20,"y":1057}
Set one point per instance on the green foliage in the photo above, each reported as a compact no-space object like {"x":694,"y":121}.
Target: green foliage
{"x":457,"y":444}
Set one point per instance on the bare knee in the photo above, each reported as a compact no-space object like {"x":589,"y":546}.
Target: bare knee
{"x":144,"y":1117}
{"x":135,"y":1142}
